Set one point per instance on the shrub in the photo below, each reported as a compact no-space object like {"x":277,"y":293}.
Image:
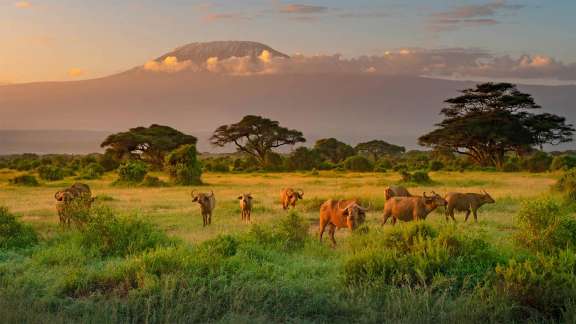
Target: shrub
{"x":14,"y":234}
{"x":292,"y":231}
{"x":25,"y":180}
{"x":108,"y":161}
{"x":151,"y":181}
{"x":110,"y":235}
{"x":183,"y":166}
{"x":418,"y":177}
{"x":50,"y":173}
{"x":435,"y":165}
{"x":511,"y":166}
{"x":383,"y":165}
{"x":546,"y":284}
{"x":132,"y":171}
{"x":563,"y":162}
{"x":538,"y":162}
{"x":358,"y":163}
{"x":545,"y":226}
{"x":567,"y":185}
{"x":303,"y":158}
{"x":91,"y":171}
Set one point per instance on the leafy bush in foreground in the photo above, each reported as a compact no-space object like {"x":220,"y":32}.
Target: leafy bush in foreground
{"x":151,"y":181}
{"x":14,"y":234}
{"x":132,"y":171}
{"x":50,"y":173}
{"x":183,"y":166}
{"x":567,"y":185}
{"x":418,"y":177}
{"x":91,"y":171}
{"x":26,"y":180}
{"x":358,"y":163}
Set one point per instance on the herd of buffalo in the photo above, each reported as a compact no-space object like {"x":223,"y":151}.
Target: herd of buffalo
{"x":334,"y":214}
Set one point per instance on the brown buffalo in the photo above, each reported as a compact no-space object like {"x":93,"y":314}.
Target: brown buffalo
{"x":207,"y":202}
{"x":289,"y":197}
{"x":396,"y":191}
{"x":340,"y":214}
{"x":74,"y":199}
{"x":245,"y":206}
{"x":411,"y":208}
{"x":468,"y":202}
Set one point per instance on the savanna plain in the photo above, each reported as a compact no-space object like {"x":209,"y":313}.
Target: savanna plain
{"x":148,"y":258}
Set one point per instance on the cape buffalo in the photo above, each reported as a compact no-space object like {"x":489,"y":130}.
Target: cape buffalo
{"x":289,"y":197}
{"x":411,"y":208}
{"x":396,"y":191}
{"x":340,"y":214}
{"x":207,"y":203}
{"x":74,"y":199}
{"x":245,"y":206}
{"x":468,"y":202}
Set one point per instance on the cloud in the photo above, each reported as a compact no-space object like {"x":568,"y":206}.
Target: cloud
{"x":458,"y":63}
{"x":170,"y":64}
{"x":23,"y":4}
{"x":223,"y":16}
{"x":76,"y":72}
{"x":302,"y":9}
{"x":470,"y":15}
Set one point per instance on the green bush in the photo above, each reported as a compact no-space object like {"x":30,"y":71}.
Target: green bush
{"x":25,"y":180}
{"x":417,"y":177}
{"x":151,"y":181}
{"x":511,"y":166}
{"x":567,"y":185}
{"x":183,"y":166}
{"x":50,"y":173}
{"x":543,"y":225}
{"x":132,"y":171}
{"x":292,"y":231}
{"x":563,"y":162}
{"x":383,"y":165}
{"x":110,"y":235}
{"x":538,"y":162}
{"x":91,"y":171}
{"x":546,"y":284}
{"x":358,"y":163}
{"x":435,"y":165}
{"x":14,"y":234}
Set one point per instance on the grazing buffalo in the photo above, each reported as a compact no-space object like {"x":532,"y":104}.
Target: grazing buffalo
{"x":411,"y":208}
{"x":207,"y":202}
{"x":289,"y":197}
{"x":340,"y":214}
{"x":396,"y":191}
{"x":74,"y":199}
{"x":468,"y":202}
{"x":245,"y":206}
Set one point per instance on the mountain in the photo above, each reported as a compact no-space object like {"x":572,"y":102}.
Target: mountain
{"x":352,"y":107}
{"x":199,"y":52}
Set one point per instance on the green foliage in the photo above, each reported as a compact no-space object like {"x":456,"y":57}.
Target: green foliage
{"x":183,"y":166}
{"x":149,"y":144}
{"x":26,"y":180}
{"x":273,"y":162}
{"x":417,"y":177}
{"x":543,"y":225}
{"x":91,"y":171}
{"x":537,"y":162}
{"x":108,"y":161}
{"x":50,"y":173}
{"x":376,"y":149}
{"x":563,"y":162}
{"x":303,"y":158}
{"x":567,"y":185}
{"x":151,"y":182}
{"x":292,"y":231}
{"x":358,"y":163}
{"x":546,"y":284}
{"x":332,"y":150}
{"x":110,"y":235}
{"x":132,"y":172}
{"x":14,"y":234}
{"x":435,"y":165}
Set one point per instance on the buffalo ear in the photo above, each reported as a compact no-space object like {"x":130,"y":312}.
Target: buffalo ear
{"x":239,"y":197}
{"x":346,"y":212}
{"x":195,"y":198}
{"x":300,"y":196}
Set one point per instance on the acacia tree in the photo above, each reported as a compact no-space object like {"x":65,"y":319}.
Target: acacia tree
{"x":378,"y":148}
{"x":333,"y":150}
{"x":492,"y":119}
{"x":150,"y":144}
{"x":256,"y":136}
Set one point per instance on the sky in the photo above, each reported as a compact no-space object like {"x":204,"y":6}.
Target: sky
{"x":62,"y":40}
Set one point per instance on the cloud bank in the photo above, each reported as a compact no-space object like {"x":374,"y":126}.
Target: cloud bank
{"x":447,"y":63}
{"x":470,"y":15}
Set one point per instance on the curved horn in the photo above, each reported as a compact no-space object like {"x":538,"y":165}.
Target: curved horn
{"x":484,"y":191}
{"x":301,"y":192}
{"x":56,"y":194}
{"x":211,"y":193}
{"x":192,"y":193}
{"x":424,"y":194}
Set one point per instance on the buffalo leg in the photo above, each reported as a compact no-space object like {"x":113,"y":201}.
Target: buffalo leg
{"x":393,"y":221}
{"x":331,"y":231}
{"x":467,"y":215}
{"x":385,"y":218}
{"x":475,"y":216}
{"x":321,"y":230}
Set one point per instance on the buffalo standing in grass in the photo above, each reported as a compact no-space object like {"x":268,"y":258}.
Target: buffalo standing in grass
{"x":289,"y":197}
{"x":207,"y":203}
{"x":245,"y":206}
{"x":340,"y":214}
{"x":396,"y":191}
{"x":468,"y":202}
{"x":74,"y":199}
{"x":411,"y":208}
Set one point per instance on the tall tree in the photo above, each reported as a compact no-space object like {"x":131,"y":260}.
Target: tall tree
{"x":256,"y":136}
{"x":378,"y":148}
{"x":150,"y":144}
{"x":333,"y":150}
{"x":492,"y":119}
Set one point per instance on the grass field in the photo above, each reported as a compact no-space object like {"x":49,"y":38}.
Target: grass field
{"x":259,"y":282}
